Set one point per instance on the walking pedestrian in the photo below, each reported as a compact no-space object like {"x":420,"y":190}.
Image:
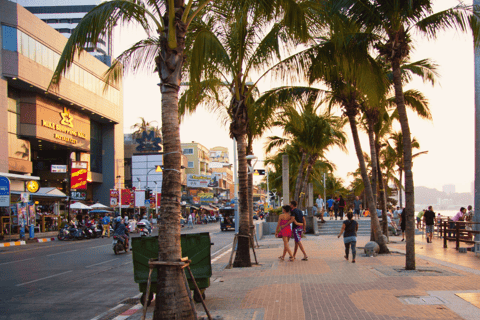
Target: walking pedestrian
{"x":349,"y":231}
{"x":190,"y":221}
{"x":284,"y":231}
{"x":335,"y":207}
{"x":106,"y":225}
{"x":429,"y":221}
{"x":330,"y":203}
{"x":320,"y":203}
{"x":299,"y":224}
{"x":341,"y":206}
{"x":357,"y":204}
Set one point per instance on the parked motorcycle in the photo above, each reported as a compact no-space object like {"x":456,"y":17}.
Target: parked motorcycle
{"x":63,"y":233}
{"x":119,"y":244}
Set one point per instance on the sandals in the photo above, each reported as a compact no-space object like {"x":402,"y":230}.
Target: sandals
{"x":346,"y":258}
{"x":353,"y":261}
{"x":305,"y":259}
{"x":281,"y":258}
{"x":291,"y":259}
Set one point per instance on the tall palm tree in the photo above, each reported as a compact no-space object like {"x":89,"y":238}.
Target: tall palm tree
{"x":314,"y":135}
{"x":393,"y":21}
{"x":167,"y":24}
{"x":227,"y":49}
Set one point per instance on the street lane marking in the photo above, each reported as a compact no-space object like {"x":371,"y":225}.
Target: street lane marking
{"x":54,"y":254}
{"x":215,"y":260}
{"x":96,"y":264}
{"x":104,"y":245}
{"x":107,"y":312}
{"x":1,"y":264}
{"x":55,"y":275}
{"x":228,"y":245}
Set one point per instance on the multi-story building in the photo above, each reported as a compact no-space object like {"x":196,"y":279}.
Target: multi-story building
{"x":222,"y":170}
{"x":43,"y":130}
{"x":64,"y":16}
{"x":198,"y":158}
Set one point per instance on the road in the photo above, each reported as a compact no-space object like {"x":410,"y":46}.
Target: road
{"x":73,"y":279}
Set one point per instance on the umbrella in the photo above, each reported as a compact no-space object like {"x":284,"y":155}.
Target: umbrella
{"x":100,"y":211}
{"x":79,"y":205}
{"x":98,"y":205}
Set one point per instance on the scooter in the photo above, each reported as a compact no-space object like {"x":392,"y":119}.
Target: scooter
{"x":119,"y":244}
{"x":142,"y":229}
{"x":63,"y":233}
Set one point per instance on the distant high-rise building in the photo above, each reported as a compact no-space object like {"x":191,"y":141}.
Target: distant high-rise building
{"x":472,"y":187}
{"x":64,"y":16}
{"x":449,"y":188}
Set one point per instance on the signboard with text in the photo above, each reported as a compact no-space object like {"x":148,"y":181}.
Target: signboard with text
{"x":78,"y":195}
{"x":59,"y":168}
{"x":79,"y":175}
{"x":4,"y":192}
{"x":201,"y":181}
{"x":113,"y":197}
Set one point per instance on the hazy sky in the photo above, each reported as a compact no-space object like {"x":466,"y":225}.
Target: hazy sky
{"x":449,"y":139}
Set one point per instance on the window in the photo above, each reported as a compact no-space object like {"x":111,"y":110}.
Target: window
{"x":9,"y":35}
{"x":64,"y":20}
{"x":76,"y":20}
{"x":188,"y":151}
{"x":190,"y":164}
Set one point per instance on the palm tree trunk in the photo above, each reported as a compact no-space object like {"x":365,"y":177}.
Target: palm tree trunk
{"x":368,"y":187}
{"x":172,"y":300}
{"x":250,"y":194}
{"x":407,"y":167}
{"x":298,"y":183}
{"x":310,"y":163}
{"x":242,"y":257}
{"x":400,"y":189}
{"x":373,"y":156}
{"x":382,"y":192}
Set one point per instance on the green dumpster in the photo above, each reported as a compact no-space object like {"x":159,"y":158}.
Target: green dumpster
{"x":195,"y":246}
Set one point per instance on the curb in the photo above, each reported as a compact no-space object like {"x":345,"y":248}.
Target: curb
{"x":11,"y":244}
{"x":46,"y":239}
{"x":126,"y":314}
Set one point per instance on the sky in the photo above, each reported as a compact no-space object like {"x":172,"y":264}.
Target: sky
{"x":449,"y":138}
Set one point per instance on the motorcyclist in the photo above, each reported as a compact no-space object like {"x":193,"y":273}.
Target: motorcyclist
{"x":122,"y":231}
{"x":147,"y":223}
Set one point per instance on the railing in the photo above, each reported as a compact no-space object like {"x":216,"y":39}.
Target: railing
{"x":461,"y":234}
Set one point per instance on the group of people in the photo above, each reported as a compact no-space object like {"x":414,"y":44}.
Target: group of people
{"x":336,"y":206}
{"x":292,"y":223}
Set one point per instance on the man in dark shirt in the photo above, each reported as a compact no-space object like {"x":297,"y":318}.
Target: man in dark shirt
{"x":299,"y":224}
{"x":429,"y":222}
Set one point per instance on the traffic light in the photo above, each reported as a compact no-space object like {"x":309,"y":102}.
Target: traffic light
{"x":148,"y":193}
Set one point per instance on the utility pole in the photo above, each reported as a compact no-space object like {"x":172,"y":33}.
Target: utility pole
{"x":285,"y":180}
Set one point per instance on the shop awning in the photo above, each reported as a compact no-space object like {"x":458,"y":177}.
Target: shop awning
{"x":192,"y":206}
{"x":46,"y":192}
{"x":209,"y":208}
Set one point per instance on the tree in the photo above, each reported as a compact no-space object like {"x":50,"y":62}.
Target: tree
{"x":393,"y":21}
{"x":166,"y":25}
{"x":144,"y":126}
{"x":227,"y":49}
{"x":312,"y":133}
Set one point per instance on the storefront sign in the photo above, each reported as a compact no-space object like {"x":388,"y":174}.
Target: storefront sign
{"x":24,"y":197}
{"x":4,"y":192}
{"x":78,"y":195}
{"x":206,"y":197}
{"x":201,"y":181}
{"x":59,"y":168}
{"x":127,"y":197}
{"x":113,"y":197}
{"x":66,"y":126}
{"x":32,"y":186}
{"x":79,"y":175}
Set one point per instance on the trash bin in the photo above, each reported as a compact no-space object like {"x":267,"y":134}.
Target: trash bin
{"x":195,"y":246}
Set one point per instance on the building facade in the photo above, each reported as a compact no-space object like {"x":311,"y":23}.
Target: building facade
{"x":42,"y":130}
{"x":198,"y":158}
{"x":64,"y":16}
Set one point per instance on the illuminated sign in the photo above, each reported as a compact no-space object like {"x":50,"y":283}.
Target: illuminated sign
{"x":79,"y":175}
{"x":65,"y":126}
{"x":32,"y":186}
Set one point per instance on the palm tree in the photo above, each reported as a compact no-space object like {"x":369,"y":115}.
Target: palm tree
{"x":393,"y":21}
{"x":313,"y":134}
{"x":227,"y":49}
{"x":142,"y":126}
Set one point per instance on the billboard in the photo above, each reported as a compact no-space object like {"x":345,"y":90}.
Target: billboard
{"x":59,"y":168}
{"x":201,"y":181}
{"x":78,"y":180}
{"x":113,"y":197}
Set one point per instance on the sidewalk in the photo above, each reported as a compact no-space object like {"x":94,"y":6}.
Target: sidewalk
{"x":446,"y":284}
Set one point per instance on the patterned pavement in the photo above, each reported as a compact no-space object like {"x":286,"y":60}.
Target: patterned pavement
{"x":446,"y":284}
